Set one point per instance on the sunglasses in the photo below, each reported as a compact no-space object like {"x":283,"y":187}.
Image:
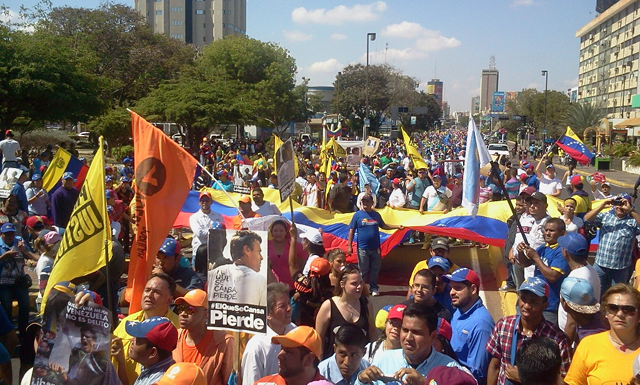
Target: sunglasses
{"x":627,"y":310}
{"x":350,"y":268}
{"x":188,"y":309}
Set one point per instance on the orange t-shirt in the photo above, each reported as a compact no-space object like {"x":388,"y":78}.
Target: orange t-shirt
{"x":193,"y":353}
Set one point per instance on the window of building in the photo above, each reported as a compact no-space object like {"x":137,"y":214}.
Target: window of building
{"x":199,"y":11}
{"x":176,"y":9}
{"x":176,"y":22}
{"x":176,"y":36}
{"x":158,"y":12}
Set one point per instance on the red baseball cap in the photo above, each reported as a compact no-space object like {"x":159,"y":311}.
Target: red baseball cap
{"x":461,"y":275}
{"x":34,"y":220}
{"x":396,"y":181}
{"x":320,"y":267}
{"x":396,"y":312}
{"x":576,"y":179}
{"x":158,"y":330}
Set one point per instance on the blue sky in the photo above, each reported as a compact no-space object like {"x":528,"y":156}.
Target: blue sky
{"x":448,"y":39}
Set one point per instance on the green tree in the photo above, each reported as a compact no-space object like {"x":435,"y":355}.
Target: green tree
{"x":41,"y":80}
{"x":583,"y":115}
{"x":531,"y":103}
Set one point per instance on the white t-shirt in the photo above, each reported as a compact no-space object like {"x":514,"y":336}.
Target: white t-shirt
{"x":535,"y":236}
{"x":311,"y":192}
{"x":575,"y":225}
{"x":433,"y":201}
{"x":589,"y":273}
{"x":200,"y":224}
{"x":260,"y":357}
{"x":307,"y":265}
{"x":9,"y":148}
{"x":267,"y":208}
{"x":242,"y":285}
{"x":549,"y":186}
{"x":600,"y":195}
{"x":397,"y":198}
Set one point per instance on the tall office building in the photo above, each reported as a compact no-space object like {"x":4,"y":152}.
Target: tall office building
{"x":475,"y":105}
{"x":608,"y":69}
{"x":197,"y":22}
{"x":436,"y":88}
{"x":488,"y":85}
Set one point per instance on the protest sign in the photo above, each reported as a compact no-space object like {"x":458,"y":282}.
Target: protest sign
{"x":237,"y":291}
{"x":286,"y":169}
{"x":74,"y":345}
{"x":8,"y":178}
{"x":242,"y":175}
{"x":371,"y":146}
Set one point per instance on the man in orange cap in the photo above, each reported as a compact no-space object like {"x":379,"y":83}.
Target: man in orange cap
{"x":183,"y":373}
{"x":211,"y":350}
{"x":244,"y":203}
{"x":299,"y":358}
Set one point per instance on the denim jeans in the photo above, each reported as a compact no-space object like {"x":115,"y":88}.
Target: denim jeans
{"x":609,"y":277}
{"x":7,"y":295}
{"x":369,"y":261}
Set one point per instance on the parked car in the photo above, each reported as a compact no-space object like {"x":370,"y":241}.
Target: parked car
{"x":500,"y":148}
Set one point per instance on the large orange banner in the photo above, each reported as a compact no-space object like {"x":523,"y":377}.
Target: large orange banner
{"x":164,"y":172}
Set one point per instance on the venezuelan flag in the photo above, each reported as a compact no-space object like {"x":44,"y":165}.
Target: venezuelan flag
{"x":63,"y":162}
{"x":573,"y":146}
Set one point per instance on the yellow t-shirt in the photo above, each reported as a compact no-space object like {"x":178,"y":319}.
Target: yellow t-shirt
{"x":583,"y":204}
{"x":133,"y":368}
{"x":597,"y":361}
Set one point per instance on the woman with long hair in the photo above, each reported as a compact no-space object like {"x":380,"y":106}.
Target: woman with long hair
{"x":338,"y":259}
{"x":286,"y":255}
{"x":348,"y":305}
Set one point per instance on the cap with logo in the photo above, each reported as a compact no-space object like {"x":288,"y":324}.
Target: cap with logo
{"x":68,"y":175}
{"x":574,"y":243}
{"x":396,"y":311}
{"x":313,"y":236}
{"x":52,"y":237}
{"x":319,"y":267}
{"x":158,"y":330}
{"x":34,"y":221}
{"x":302,"y":336}
{"x":205,"y":194}
{"x":7,"y":228}
{"x":170,"y":247}
{"x":440,"y":243}
{"x":183,"y":373}
{"x":536,"y":286}
{"x":576,"y":180}
{"x":578,"y":294}
{"x":537,"y":196}
{"x":36,"y":177}
{"x":195,"y":297}
{"x":527,"y":191}
{"x":440,"y":262}
{"x":461,"y":275}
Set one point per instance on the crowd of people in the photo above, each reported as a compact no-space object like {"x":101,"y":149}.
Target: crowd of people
{"x":575,"y":321}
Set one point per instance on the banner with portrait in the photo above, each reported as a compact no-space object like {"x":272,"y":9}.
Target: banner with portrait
{"x":371,"y":146}
{"x":242,"y":175}
{"x":286,"y":169}
{"x":237,"y":280}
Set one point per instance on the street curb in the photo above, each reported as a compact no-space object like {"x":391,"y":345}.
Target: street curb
{"x":612,"y":181}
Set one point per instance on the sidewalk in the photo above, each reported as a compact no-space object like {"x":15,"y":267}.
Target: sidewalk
{"x":615,"y":177}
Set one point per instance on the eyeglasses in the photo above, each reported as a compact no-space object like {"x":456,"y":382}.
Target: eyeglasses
{"x":190,"y":310}
{"x":627,"y":310}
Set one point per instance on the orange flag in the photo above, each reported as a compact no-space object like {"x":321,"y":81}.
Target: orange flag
{"x":164,"y":172}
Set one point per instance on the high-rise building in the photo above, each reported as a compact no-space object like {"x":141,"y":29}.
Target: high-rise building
{"x":488,"y":85}
{"x":197,"y":22}
{"x":475,"y":105}
{"x":608,"y":69}
{"x":436,"y":88}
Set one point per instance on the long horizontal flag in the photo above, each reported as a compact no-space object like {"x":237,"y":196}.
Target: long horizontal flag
{"x":574,"y":147}
{"x":63,"y":161}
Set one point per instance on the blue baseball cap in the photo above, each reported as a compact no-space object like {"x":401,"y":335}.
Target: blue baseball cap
{"x":440,"y":262}
{"x":461,"y":275}
{"x":535,"y":285}
{"x":579,"y":295}
{"x":170,"y":247}
{"x":624,"y":196}
{"x":108,"y":178}
{"x":158,"y":330}
{"x":68,"y":175}
{"x":7,"y":228}
{"x":107,"y":193}
{"x":127,"y":160}
{"x":35,"y":177}
{"x":125,"y":179}
{"x":574,"y":243}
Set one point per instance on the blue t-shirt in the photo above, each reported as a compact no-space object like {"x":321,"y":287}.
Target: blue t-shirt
{"x":552,"y":257}
{"x":367,"y":225}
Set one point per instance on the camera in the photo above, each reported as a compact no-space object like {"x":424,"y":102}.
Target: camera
{"x":617,"y":202}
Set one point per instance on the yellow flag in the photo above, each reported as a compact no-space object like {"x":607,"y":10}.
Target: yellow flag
{"x":86,"y":243}
{"x":62,"y":162}
{"x":412,"y":152}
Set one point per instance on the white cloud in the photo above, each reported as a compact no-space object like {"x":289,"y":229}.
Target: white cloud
{"x":12,"y":18}
{"x":433,"y":41}
{"x":522,"y":3}
{"x":392,"y":55}
{"x":330,"y":65}
{"x":405,"y":29}
{"x":339,"y":36}
{"x":426,"y":39}
{"x":296,"y":36}
{"x":339,"y":14}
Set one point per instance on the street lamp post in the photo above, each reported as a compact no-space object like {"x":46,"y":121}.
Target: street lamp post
{"x":545,"y":73}
{"x":306,"y":81}
{"x":370,"y":37}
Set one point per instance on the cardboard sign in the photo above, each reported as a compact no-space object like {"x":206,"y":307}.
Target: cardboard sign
{"x":286,"y":169}
{"x":371,"y":146}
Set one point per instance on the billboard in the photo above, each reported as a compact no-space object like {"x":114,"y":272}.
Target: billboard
{"x":498,"y":101}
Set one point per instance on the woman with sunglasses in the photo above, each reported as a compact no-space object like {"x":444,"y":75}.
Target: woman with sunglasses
{"x":607,"y":357}
{"x":347,"y":306}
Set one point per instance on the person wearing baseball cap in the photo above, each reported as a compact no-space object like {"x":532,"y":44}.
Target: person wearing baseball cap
{"x":604,"y":192}
{"x":397,"y":198}
{"x":530,"y":324}
{"x":389,"y":320}
{"x":577,"y":298}
{"x":367,"y":223}
{"x":298,"y":360}
{"x":438,"y":263}
{"x":471,"y":323}
{"x":313,"y":244}
{"x":436,"y":197}
{"x":246,"y":212}
{"x":583,"y":201}
{"x":168,"y":262}
{"x":183,"y":373}
{"x":575,"y":250}
{"x":549,"y":184}
{"x":37,"y":196}
{"x":154,"y":340}
{"x":223,"y":183}
{"x":424,"y":288}
{"x":202,"y":221}
{"x":63,"y":200}
{"x":416,"y":357}
{"x":548,"y":263}
{"x":211,"y":350}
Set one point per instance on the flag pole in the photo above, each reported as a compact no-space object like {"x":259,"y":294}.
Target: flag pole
{"x":495,"y":172}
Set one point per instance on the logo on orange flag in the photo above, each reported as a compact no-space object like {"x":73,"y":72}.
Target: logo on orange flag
{"x":164,"y":172}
